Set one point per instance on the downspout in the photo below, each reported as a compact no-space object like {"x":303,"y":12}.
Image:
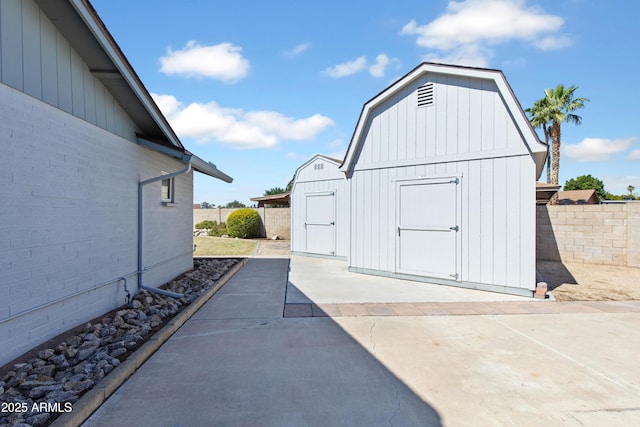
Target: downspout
{"x":187,"y":169}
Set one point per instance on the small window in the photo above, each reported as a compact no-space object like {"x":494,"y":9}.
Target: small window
{"x":426,"y":95}
{"x":168,"y":191}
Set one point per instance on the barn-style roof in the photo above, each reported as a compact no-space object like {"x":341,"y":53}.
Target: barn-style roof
{"x":534,"y":145}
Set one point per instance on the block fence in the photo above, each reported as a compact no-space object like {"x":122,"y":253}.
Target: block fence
{"x":596,"y":234}
{"x":273,"y":221}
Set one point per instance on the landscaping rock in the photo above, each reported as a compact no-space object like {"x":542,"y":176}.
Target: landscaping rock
{"x":78,"y":362}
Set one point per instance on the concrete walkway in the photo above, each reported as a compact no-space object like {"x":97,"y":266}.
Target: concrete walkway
{"x":239,"y":362}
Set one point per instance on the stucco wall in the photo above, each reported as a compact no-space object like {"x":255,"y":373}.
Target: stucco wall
{"x":273,"y":221}
{"x":598,"y":234}
{"x":69,"y":221}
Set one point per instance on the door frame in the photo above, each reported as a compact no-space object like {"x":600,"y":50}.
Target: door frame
{"x":457,"y":178}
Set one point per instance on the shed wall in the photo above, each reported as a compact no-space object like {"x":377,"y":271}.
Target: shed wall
{"x":468,"y":132}
{"x":72,"y":221}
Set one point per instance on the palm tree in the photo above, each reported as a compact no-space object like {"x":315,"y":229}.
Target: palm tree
{"x":540,"y":117}
{"x":560,"y":103}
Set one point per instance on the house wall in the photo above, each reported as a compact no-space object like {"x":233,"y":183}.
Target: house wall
{"x":37,"y":60}
{"x":467,"y":132}
{"x":273,"y":221}
{"x":68,"y":228}
{"x":593,"y":234}
{"x":311,"y":180}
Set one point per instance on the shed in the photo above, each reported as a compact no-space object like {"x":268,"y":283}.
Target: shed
{"x":442,"y":168}
{"x":100,"y":186}
{"x":319,"y":209}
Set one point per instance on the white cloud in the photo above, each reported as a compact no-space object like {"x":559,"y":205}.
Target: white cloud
{"x":360,"y":64}
{"x":634,"y":155}
{"x":252,"y":129}
{"x":347,"y":68}
{"x":597,"y":149}
{"x":468,"y":29}
{"x":553,"y":42}
{"x":377,"y":69}
{"x":223,"y":61}
{"x":470,"y":55}
{"x":296,"y":50}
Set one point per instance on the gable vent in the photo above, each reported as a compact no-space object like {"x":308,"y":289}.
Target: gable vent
{"x":318,"y":166}
{"x":425,"y":95}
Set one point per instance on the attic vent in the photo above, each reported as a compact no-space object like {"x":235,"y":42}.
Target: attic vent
{"x":318,"y":166}
{"x":425,"y":95}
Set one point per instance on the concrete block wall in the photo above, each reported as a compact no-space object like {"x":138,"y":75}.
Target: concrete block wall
{"x":69,"y":221}
{"x":273,"y":221}
{"x":599,"y":234}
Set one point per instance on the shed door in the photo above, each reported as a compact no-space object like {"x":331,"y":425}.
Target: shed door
{"x":427,"y":228}
{"x":320,"y":223}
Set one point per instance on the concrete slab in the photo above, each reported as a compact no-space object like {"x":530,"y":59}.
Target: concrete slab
{"x":328,"y":281}
{"x":541,"y":368}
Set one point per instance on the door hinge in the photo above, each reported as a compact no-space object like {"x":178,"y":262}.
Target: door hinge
{"x":454,"y":275}
{"x":455,"y":228}
{"x":398,"y":230}
{"x":455,"y":181}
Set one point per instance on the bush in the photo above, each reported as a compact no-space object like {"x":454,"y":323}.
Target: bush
{"x":214,"y":228}
{"x":243,"y":223}
{"x":218,"y":229}
{"x":206,"y":224}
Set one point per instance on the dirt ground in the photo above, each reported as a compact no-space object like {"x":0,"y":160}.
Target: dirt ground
{"x":590,"y":282}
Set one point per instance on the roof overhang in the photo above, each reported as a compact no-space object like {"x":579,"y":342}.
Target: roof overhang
{"x":81,"y":26}
{"x":273,"y":199}
{"x":536,"y":147}
{"x":185,"y":156}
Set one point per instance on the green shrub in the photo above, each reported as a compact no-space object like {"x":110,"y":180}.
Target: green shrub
{"x":206,"y":224}
{"x":243,"y":223}
{"x":218,"y":229}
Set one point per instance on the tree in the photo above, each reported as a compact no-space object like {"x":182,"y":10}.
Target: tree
{"x":540,"y":117}
{"x":630,"y":189}
{"x":235,"y":204}
{"x":274,"y":190}
{"x":559,"y":103}
{"x":207,"y":205}
{"x":587,"y":182}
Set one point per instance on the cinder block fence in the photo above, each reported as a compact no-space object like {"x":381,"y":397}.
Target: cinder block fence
{"x":597,"y":234}
{"x":273,"y":221}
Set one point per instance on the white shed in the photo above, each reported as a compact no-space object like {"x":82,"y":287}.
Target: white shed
{"x":319,"y":209}
{"x":442,"y":169}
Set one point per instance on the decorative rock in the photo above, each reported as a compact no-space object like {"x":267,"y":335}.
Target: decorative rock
{"x":46,"y":353}
{"x":38,"y":392}
{"x":62,"y":396}
{"x":39,"y":419}
{"x":48,"y":370}
{"x":71,"y":367}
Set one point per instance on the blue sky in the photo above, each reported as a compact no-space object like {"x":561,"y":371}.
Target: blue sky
{"x":259,"y":87}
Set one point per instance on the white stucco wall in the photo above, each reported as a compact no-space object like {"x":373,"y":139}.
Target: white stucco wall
{"x":69,"y":220}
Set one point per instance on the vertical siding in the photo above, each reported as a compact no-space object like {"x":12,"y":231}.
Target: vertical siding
{"x":37,"y":60}
{"x":72,"y":223}
{"x":497,"y":191}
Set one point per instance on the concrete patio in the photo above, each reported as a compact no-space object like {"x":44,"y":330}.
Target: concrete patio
{"x":239,"y":362}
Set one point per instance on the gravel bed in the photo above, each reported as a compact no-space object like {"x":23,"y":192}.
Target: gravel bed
{"x":45,"y":382}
